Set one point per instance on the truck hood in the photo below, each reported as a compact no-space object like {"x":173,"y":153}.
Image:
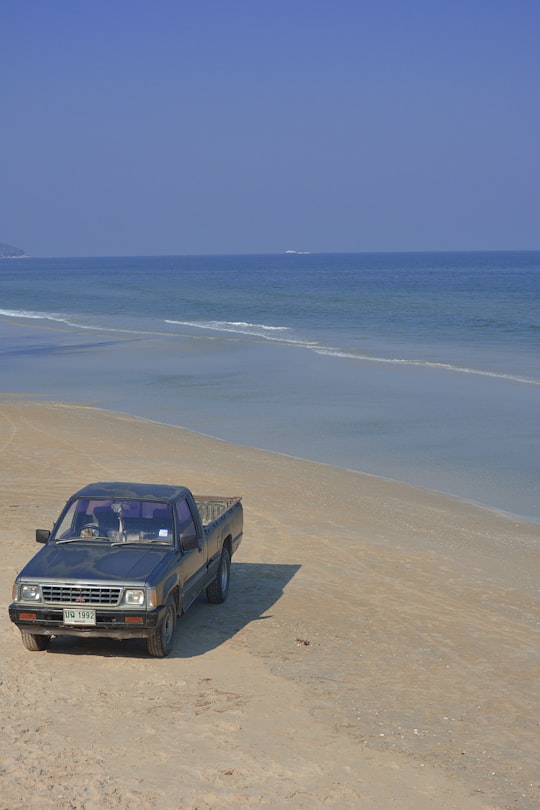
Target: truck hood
{"x":95,"y":562}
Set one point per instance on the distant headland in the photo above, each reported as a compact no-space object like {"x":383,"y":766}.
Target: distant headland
{"x":10,"y":252}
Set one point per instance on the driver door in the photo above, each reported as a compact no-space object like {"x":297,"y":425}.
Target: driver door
{"x":193,"y":549}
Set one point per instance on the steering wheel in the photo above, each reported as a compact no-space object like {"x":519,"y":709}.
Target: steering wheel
{"x":90,"y":530}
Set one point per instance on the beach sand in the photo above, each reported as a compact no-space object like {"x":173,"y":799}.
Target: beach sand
{"x":379,"y":647}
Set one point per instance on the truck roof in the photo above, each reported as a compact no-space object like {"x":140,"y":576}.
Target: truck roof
{"x":126,"y":490}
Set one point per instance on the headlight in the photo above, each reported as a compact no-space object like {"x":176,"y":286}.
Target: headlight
{"x":30,"y":593}
{"x":134,"y":597}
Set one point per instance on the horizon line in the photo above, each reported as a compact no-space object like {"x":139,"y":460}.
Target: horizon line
{"x":272,"y":253}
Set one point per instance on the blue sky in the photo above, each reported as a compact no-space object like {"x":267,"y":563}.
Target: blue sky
{"x":243,"y":126}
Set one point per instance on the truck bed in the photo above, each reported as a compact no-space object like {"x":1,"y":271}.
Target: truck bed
{"x":212,"y":507}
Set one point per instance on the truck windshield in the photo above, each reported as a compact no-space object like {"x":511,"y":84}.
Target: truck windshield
{"x":115,"y":521}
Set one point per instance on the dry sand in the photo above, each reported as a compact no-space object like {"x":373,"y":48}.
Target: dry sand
{"x":379,"y":647}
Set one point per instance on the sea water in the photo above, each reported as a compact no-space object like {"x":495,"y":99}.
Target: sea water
{"x":419,"y":367}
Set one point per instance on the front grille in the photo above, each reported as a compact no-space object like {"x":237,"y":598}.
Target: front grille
{"x":80,"y":594}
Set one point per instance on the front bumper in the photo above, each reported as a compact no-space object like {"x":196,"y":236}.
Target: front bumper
{"x":119,"y":624}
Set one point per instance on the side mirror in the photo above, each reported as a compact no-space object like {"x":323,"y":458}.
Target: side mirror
{"x":189,"y":541}
{"x":42,"y":535}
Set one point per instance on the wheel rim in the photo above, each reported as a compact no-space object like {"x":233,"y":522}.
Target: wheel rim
{"x":168,"y":627}
{"x":224,"y":575}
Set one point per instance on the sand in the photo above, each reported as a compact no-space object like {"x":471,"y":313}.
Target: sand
{"x":379,"y":647}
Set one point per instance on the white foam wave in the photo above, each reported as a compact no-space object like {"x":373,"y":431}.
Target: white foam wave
{"x":401,"y":361}
{"x":42,"y":316}
{"x":232,"y":326}
{"x":261,"y":330}
{"x":24,"y":313}
{"x":273,"y":333}
{"x":57,"y":318}
{"x":246,"y":325}
{"x":47,"y":316}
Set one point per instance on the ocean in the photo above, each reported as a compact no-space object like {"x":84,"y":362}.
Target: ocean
{"x":421,"y":367}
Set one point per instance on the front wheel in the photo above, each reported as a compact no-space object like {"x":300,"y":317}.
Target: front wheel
{"x":160,"y":643}
{"x":35,"y":643}
{"x":218,"y":589}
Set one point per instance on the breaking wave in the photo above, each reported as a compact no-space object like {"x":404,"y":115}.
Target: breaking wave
{"x":402,"y":361}
{"x":282,"y":334}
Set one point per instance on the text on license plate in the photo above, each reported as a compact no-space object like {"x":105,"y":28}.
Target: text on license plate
{"x":79,"y":616}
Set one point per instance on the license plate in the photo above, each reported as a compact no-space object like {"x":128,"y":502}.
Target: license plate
{"x":79,"y":616}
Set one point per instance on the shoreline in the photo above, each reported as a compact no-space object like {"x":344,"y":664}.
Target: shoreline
{"x":45,"y":399}
{"x":379,"y":645}
{"x":428,"y":440}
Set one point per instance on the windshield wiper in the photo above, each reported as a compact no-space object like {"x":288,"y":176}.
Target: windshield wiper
{"x":127,"y":542}
{"x":79,"y":539}
{"x":143,"y":542}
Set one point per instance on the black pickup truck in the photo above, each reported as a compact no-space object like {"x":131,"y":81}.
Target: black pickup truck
{"x":123,"y":560}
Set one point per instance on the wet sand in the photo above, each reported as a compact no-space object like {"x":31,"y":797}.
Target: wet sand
{"x":379,"y":647}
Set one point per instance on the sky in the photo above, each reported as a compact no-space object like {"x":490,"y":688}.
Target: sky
{"x":174,"y":127}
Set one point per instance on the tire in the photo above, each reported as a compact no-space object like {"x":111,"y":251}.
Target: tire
{"x":35,"y":643}
{"x":160,"y":643}
{"x":218,"y":589}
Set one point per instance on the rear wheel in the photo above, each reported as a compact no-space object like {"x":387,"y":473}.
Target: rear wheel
{"x":161,"y":642}
{"x":35,"y":643}
{"x":218,"y":589}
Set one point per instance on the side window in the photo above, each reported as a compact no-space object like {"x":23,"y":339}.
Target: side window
{"x":186,"y":525}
